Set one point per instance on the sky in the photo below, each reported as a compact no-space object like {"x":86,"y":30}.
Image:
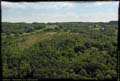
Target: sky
{"x":96,"y":11}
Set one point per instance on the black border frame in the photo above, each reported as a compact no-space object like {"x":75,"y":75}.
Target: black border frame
{"x":35,"y":79}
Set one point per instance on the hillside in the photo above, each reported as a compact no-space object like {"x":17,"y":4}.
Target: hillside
{"x":72,"y":50}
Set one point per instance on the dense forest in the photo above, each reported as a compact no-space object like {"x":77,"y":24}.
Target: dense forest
{"x":68,"y":50}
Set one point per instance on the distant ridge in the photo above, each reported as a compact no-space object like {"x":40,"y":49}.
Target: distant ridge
{"x":112,"y":22}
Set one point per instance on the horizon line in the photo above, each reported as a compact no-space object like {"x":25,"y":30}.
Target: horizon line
{"x":62,"y":22}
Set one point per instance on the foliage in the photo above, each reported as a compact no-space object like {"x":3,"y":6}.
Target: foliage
{"x":73,"y":50}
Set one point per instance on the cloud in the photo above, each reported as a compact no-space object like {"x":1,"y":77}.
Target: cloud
{"x":68,"y":17}
{"x":71,"y":16}
{"x":9,"y":5}
{"x":52,"y":5}
{"x":37,"y":5}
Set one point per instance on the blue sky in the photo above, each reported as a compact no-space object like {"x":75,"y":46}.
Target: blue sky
{"x":98,"y":11}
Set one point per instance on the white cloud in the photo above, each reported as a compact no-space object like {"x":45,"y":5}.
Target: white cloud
{"x":68,"y":17}
{"x":9,"y":5}
{"x":52,"y":5}
{"x":102,"y":3}
{"x":37,"y":5}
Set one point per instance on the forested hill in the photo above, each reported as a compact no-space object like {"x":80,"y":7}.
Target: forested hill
{"x":19,"y":28}
{"x":70,"y":50}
